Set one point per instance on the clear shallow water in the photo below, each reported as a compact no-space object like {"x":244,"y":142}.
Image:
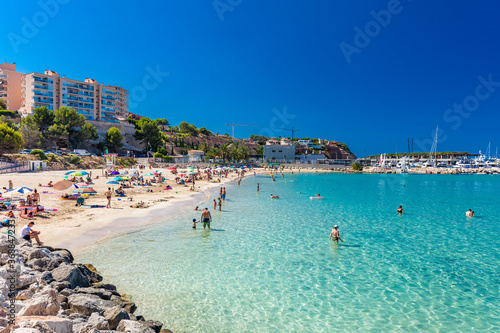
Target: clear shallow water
{"x":267,"y":265}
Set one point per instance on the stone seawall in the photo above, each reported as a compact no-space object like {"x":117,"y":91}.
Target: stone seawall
{"x":43,"y":291}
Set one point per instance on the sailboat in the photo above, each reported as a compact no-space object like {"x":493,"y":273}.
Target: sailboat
{"x":431,"y":162}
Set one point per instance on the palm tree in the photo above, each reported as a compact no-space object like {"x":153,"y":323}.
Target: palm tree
{"x":244,"y":153}
{"x":224,"y":152}
{"x":204,"y":147}
{"x":214,"y":153}
{"x":235,"y":154}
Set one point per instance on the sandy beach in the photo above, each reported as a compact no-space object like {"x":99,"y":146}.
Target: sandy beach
{"x":63,"y":224}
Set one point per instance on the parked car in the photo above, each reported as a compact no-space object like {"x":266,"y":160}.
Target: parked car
{"x":81,"y":152}
{"x":25,"y":151}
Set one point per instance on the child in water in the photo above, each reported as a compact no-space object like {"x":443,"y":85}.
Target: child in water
{"x":194,"y":223}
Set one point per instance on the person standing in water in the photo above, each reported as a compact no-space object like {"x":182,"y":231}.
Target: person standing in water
{"x":400,"y":210}
{"x":335,"y":235}
{"x":215,"y":204}
{"x":223,"y":194}
{"x":220,"y":204}
{"x":257,"y":187}
{"x":206,"y":218}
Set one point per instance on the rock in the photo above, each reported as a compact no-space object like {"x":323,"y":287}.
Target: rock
{"x":130,"y":307}
{"x":26,"y":330}
{"x":45,"y":277}
{"x":39,"y":253}
{"x":43,"y":264}
{"x":43,"y":303}
{"x":154,"y":325}
{"x":166,"y":330}
{"x":114,"y":315}
{"x":99,"y":322}
{"x":60,"y":285}
{"x":6,"y":242}
{"x":106,"y":286}
{"x":54,"y":324}
{"x":24,"y":295}
{"x":86,"y":304}
{"x":102,"y":293}
{"x":131,"y":326}
{"x":62,"y":299}
{"x":25,"y":280}
{"x":66,"y":292}
{"x":71,"y":274}
{"x":75,"y":316}
{"x":65,"y":254}
{"x":90,"y":273}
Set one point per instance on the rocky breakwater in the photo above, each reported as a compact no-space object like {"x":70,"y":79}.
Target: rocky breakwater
{"x":43,"y":290}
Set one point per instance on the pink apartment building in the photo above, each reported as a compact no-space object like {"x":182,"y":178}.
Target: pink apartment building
{"x":10,"y":86}
{"x":93,"y":100}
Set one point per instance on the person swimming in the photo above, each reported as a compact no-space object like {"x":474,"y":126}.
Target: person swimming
{"x":274,"y":196}
{"x":400,"y":210}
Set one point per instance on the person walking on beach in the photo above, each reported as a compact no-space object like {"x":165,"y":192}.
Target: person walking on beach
{"x":335,"y":235}
{"x":108,"y":196}
{"x":206,"y":218}
{"x":27,"y":233}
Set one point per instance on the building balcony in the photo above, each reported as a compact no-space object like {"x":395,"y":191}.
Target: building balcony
{"x":43,"y":105}
{"x":47,"y":87}
{"x":39,"y":93}
{"x":42,"y":79}
{"x":43,"y":100}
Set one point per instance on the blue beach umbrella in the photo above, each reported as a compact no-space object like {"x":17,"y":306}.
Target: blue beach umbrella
{"x":69,"y":172}
{"x":113,"y":182}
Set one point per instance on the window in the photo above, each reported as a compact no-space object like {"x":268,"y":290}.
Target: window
{"x":280,"y":151}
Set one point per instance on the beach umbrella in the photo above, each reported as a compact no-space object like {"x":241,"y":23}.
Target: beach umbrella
{"x":62,"y":185}
{"x":192,"y":173}
{"x":157,"y":171}
{"x":172,"y":168}
{"x":11,"y":194}
{"x":85,"y":190}
{"x":124,"y":173}
{"x":113,"y":182}
{"x":79,"y":173}
{"x":69,"y":172}
{"x":22,"y":190}
{"x":148,"y":174}
{"x":114,"y":173}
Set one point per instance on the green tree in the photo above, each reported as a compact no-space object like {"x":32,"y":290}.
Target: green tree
{"x":113,"y":139}
{"x":43,"y":118}
{"x":70,"y":128}
{"x":30,"y":132}
{"x":8,"y":122}
{"x":3,"y":104}
{"x":148,"y":132}
{"x":224,"y":152}
{"x":204,"y":147}
{"x":357,"y":166}
{"x":184,"y":127}
{"x":213,"y":153}
{"x":204,"y":131}
{"x":11,"y":141}
{"x":244,"y":153}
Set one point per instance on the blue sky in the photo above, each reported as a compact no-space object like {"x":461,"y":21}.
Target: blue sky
{"x":277,"y":64}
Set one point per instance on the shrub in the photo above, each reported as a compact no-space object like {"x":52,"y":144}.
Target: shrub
{"x":74,"y":159}
{"x":357,"y":166}
{"x":40,"y":153}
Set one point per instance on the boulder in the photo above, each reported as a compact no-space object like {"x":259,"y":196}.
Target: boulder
{"x":106,"y":286}
{"x":24,"y":295}
{"x":39,"y":253}
{"x":114,"y":315}
{"x":66,"y":292}
{"x":6,"y":242}
{"x":64,"y":254}
{"x":90,"y":272}
{"x":99,"y":322}
{"x":45,"y":278}
{"x":131,"y":326}
{"x":87,"y":304}
{"x":55,"y":324}
{"x":154,"y":325}
{"x":60,"y":285}
{"x":25,"y":280}
{"x":43,"y":264}
{"x":72,"y":274}
{"x":102,"y":293}
{"x":44,"y":303}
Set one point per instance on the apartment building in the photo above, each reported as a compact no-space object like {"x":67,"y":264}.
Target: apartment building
{"x":95,"y":101}
{"x":10,"y":86}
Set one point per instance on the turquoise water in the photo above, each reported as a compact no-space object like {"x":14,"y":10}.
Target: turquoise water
{"x":268,"y":266}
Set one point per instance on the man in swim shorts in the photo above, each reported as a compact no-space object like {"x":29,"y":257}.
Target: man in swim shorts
{"x":206,"y":218}
{"x":335,"y":235}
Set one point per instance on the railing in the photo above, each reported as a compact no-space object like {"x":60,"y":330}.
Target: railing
{"x":7,"y":165}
